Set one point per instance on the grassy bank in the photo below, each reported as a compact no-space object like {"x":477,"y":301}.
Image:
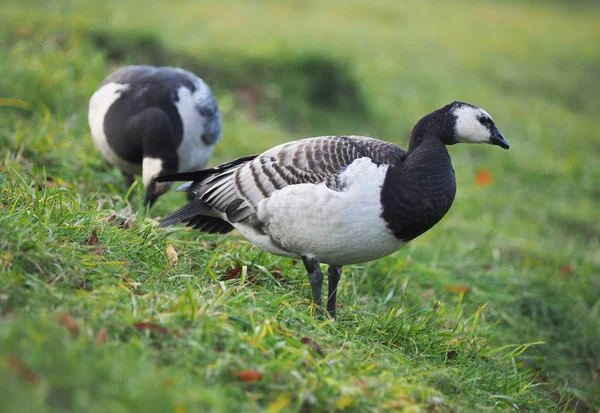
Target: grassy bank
{"x":96,"y":317}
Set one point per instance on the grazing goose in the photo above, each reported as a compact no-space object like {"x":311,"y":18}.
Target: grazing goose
{"x":150,"y":121}
{"x":337,"y":199}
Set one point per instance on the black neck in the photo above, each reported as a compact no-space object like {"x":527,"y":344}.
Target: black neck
{"x":417,"y":193}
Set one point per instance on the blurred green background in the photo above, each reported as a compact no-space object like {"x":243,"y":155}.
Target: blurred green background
{"x":516,"y":260}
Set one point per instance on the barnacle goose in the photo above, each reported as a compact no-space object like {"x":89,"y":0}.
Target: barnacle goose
{"x":150,"y":121}
{"x":336,"y":199}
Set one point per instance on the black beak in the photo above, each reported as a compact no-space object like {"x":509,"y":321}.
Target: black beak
{"x":498,"y":139}
{"x":150,"y":200}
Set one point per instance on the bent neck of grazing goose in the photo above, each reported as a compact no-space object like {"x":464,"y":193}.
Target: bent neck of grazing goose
{"x":417,"y":193}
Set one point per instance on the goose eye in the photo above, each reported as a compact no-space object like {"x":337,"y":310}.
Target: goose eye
{"x":483,"y":120}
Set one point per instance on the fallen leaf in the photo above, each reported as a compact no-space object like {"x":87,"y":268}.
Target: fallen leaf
{"x":451,"y":355}
{"x":92,"y":240}
{"x":566,"y":269}
{"x":487,"y":267}
{"x":22,"y":369}
{"x":3,"y":205}
{"x":123,"y":223}
{"x":463,"y":289}
{"x":344,"y":401}
{"x":151,"y":327}
{"x":279,"y":404}
{"x":237,"y":272}
{"x":484,"y":178}
{"x":67,"y":321}
{"x":312,"y":344}
{"x":248,"y":376}
{"x":172,"y":256}
{"x":233,"y":273}
{"x":101,"y":337}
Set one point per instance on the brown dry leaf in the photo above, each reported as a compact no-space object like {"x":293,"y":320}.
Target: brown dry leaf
{"x":248,"y":376}
{"x":3,"y":205}
{"x":92,"y":240}
{"x":463,"y":289}
{"x":236,"y":273}
{"x":566,"y":269}
{"x":22,"y":369}
{"x":172,"y":255}
{"x":67,"y":321}
{"x":151,"y":327}
{"x":484,"y":178}
{"x":487,"y":267}
{"x":101,"y":337}
{"x":123,"y":223}
{"x":312,"y":344}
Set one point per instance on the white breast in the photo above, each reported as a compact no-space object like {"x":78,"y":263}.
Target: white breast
{"x":192,"y":152}
{"x":335,"y":227}
{"x":100,"y":102}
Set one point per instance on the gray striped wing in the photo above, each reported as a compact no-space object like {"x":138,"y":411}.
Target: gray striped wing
{"x":237,"y":190}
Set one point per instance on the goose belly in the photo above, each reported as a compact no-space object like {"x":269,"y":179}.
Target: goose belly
{"x":335,"y":227}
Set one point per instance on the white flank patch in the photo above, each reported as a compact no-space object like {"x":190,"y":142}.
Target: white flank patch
{"x":468,"y":128}
{"x":100,"y":102}
{"x":335,"y":227}
{"x":193,"y":153}
{"x":151,"y":167}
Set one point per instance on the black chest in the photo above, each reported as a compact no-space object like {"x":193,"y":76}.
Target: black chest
{"x":418,"y":193}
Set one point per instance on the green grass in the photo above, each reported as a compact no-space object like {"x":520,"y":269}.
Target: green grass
{"x":515,"y":265}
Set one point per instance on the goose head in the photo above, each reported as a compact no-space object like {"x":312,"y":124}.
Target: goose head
{"x":474,"y":125}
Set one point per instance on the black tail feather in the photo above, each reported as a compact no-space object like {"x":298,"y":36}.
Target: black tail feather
{"x":186,"y":213}
{"x":204,"y":173}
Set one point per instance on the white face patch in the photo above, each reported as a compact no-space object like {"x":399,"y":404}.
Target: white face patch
{"x":151,"y":167}
{"x":468,"y":128}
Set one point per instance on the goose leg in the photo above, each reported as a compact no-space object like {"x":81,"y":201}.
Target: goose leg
{"x":315,"y":276}
{"x":333,"y":276}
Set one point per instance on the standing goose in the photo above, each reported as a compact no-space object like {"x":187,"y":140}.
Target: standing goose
{"x":337,"y":199}
{"x":150,"y":121}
